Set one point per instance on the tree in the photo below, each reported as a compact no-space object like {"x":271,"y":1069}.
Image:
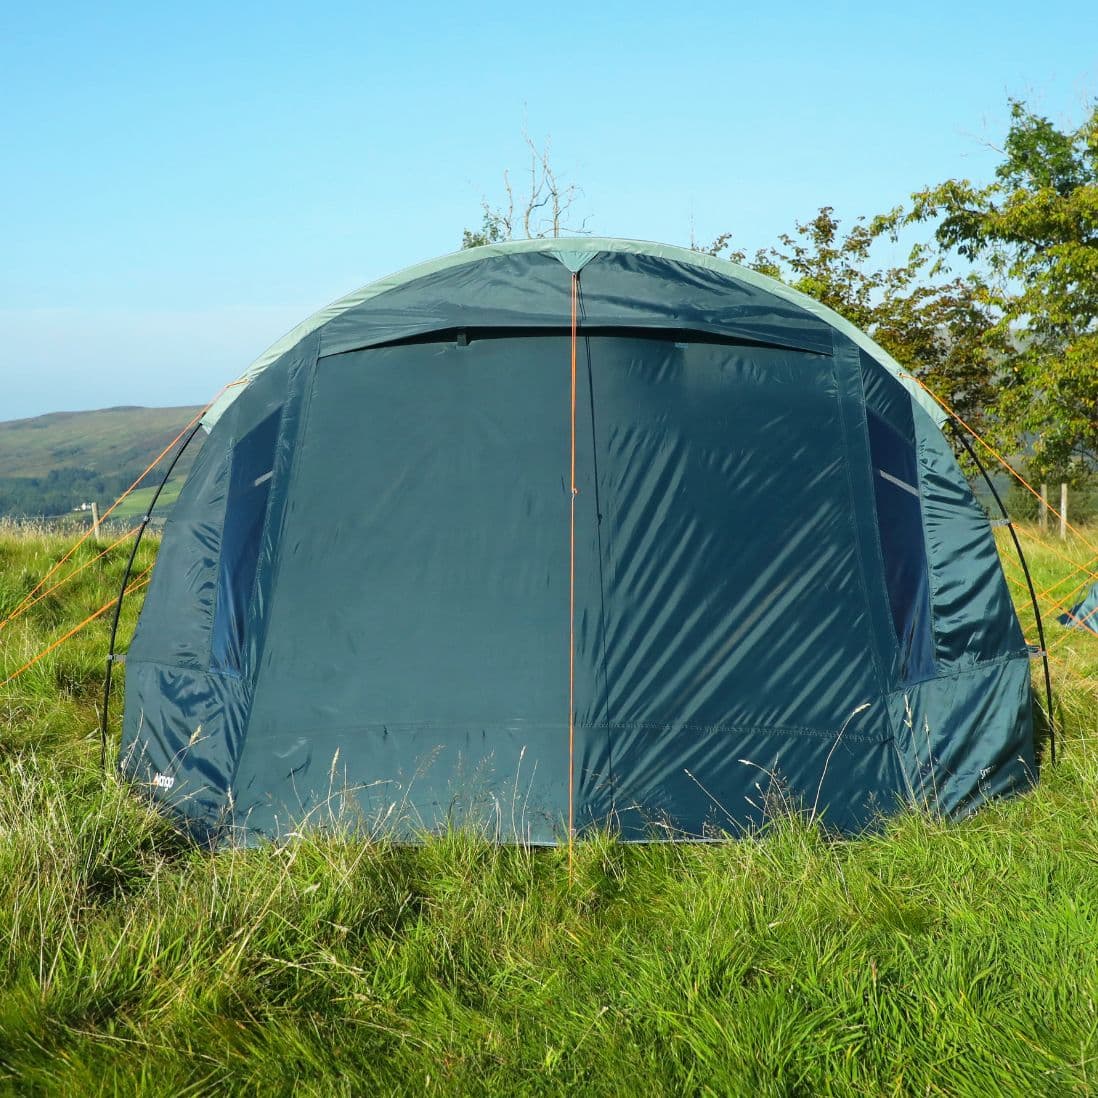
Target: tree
{"x":542,"y":210}
{"x":945,"y":333}
{"x":1035,"y":230}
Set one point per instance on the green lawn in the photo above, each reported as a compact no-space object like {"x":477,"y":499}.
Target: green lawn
{"x":932,"y":958}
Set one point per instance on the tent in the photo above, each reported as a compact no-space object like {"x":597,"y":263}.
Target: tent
{"x":555,"y":535}
{"x":1083,"y":615}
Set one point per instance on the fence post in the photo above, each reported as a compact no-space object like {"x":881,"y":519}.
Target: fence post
{"x":1042,"y":511}
{"x":1063,"y":510}
{"x":95,"y":521}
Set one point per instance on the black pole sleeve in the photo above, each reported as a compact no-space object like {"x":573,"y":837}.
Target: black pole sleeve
{"x":1029,"y":584}
{"x":122,"y":593}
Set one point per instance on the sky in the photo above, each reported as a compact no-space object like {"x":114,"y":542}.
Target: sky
{"x":182,"y":183}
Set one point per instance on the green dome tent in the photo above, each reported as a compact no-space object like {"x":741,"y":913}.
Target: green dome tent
{"x":562,"y":534}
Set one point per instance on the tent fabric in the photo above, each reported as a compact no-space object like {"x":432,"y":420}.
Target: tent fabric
{"x":785,"y":593}
{"x":1084,"y":615}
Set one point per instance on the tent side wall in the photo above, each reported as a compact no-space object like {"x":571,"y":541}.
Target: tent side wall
{"x":967,"y":733}
{"x":191,"y":664}
{"x":181,"y":722}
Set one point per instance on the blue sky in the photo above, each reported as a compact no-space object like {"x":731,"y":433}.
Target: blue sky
{"x":180,"y":184}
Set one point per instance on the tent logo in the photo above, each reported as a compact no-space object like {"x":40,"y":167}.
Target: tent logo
{"x":163,"y":781}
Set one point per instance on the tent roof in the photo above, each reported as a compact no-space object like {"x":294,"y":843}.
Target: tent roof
{"x":574,"y":253}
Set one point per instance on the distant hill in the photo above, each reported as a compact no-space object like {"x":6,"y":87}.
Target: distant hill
{"x":51,"y":464}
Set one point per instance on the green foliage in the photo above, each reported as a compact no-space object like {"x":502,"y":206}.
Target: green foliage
{"x":943,"y":332}
{"x":1035,"y":228}
{"x":493,"y":230}
{"x":59,"y":491}
{"x":929,"y":958}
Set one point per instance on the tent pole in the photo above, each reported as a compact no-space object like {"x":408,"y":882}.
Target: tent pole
{"x":122,"y":591}
{"x":1029,"y":584}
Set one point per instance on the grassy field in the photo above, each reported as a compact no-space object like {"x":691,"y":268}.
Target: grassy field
{"x":134,"y":506}
{"x":932,"y":958}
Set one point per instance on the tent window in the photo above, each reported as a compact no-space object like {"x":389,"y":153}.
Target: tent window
{"x":900,"y":522}
{"x":245,"y":513}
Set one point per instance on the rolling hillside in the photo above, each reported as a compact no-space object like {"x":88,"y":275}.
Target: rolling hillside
{"x":53,"y":463}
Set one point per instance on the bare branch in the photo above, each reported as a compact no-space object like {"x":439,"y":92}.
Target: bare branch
{"x":545,"y":207}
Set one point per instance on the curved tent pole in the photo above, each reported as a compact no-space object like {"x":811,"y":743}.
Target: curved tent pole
{"x":111,"y":657}
{"x":1029,"y":583}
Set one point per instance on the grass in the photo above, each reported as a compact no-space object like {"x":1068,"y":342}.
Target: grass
{"x":932,"y":958}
